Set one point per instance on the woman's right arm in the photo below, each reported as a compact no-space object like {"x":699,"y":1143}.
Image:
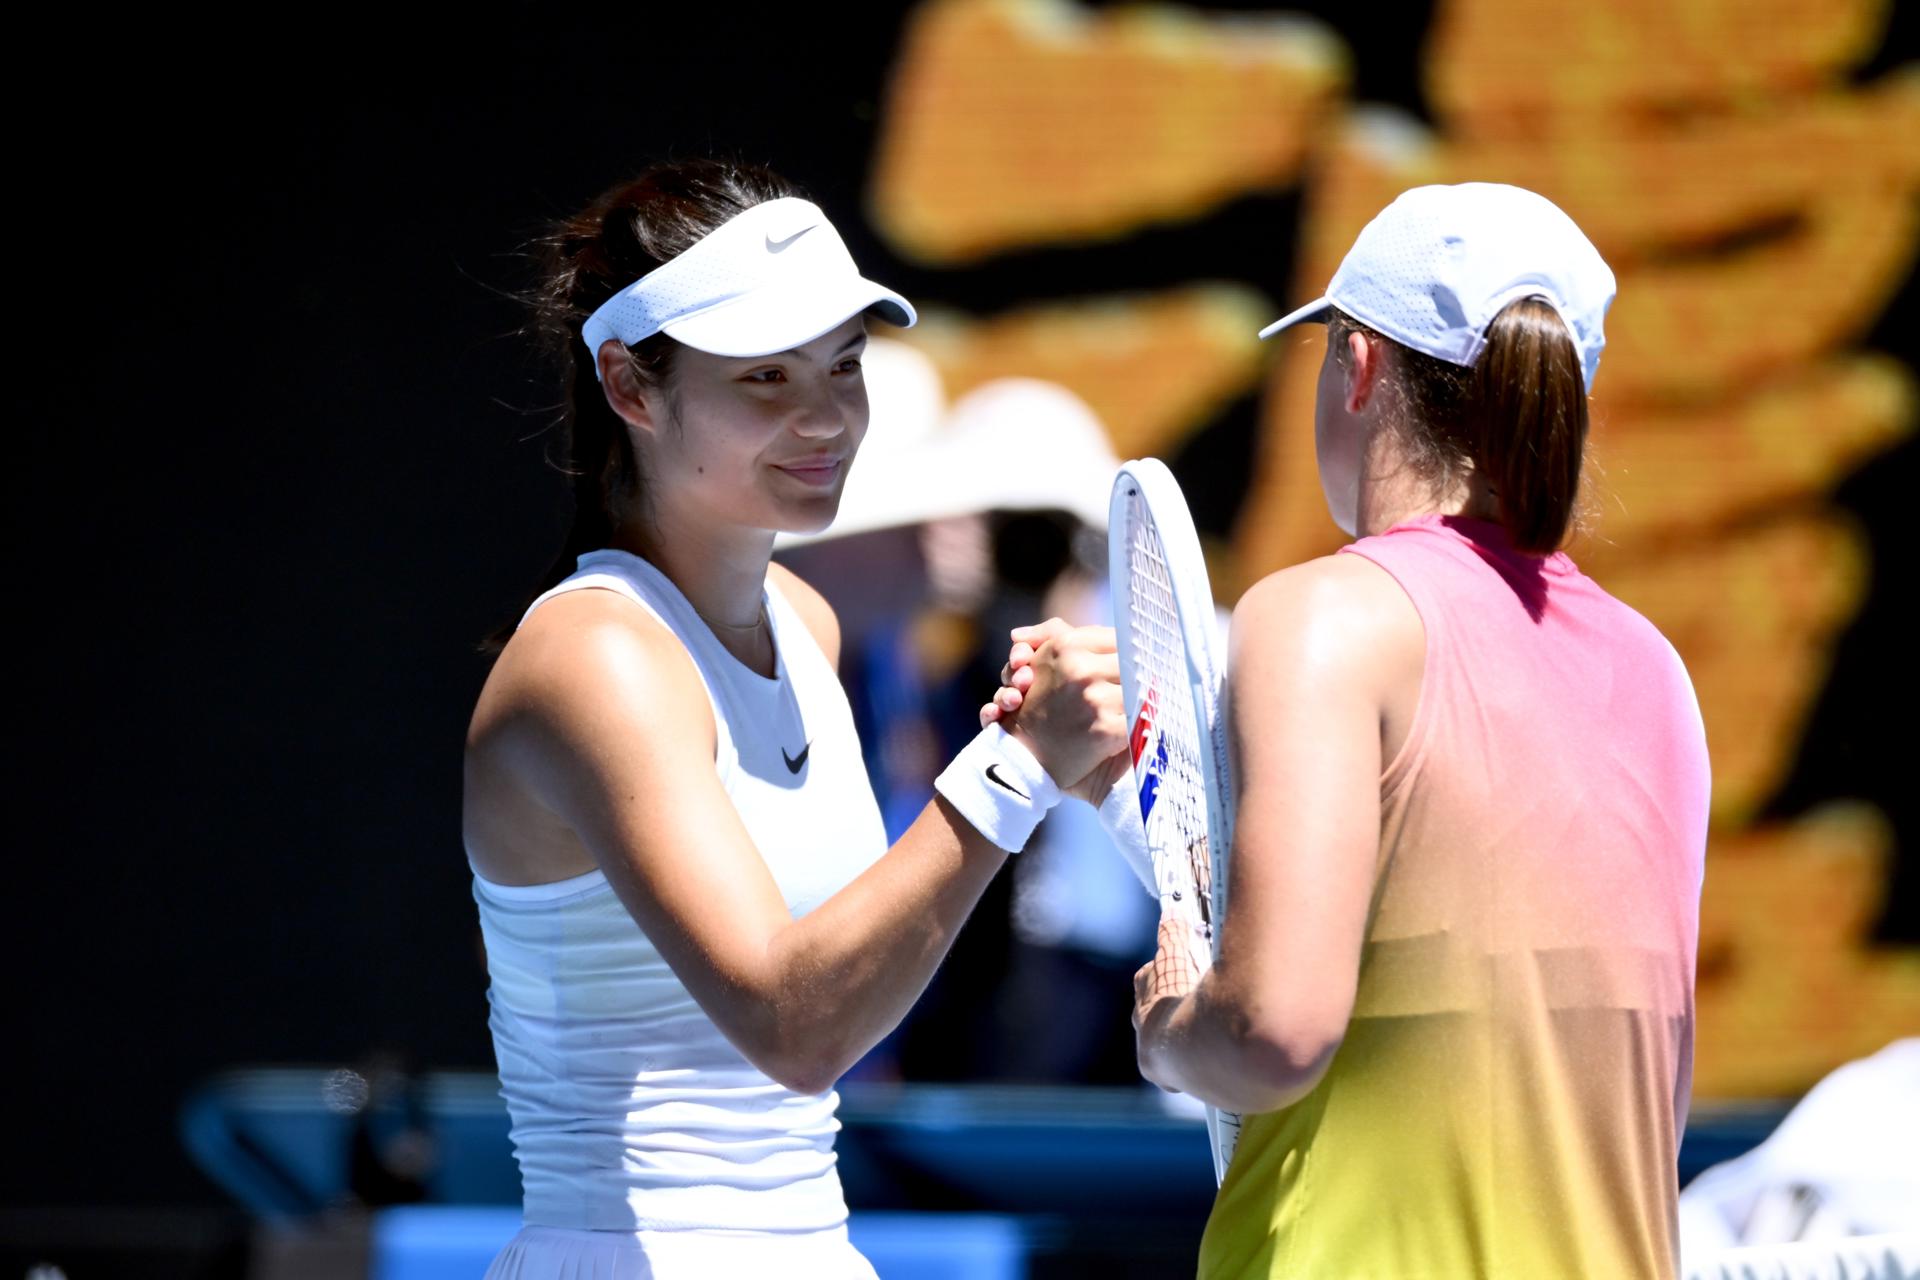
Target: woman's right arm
{"x":604,"y":720}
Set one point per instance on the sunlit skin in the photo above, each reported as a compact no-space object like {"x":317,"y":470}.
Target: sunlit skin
{"x":593,"y":742}
{"x":1325,"y":665}
{"x":1339,"y":443}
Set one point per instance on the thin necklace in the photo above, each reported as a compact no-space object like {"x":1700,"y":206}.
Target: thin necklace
{"x":755,"y":625}
{"x":752,"y":629}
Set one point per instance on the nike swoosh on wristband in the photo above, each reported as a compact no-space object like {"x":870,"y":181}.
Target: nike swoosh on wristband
{"x":780,"y":246}
{"x":796,"y":763}
{"x":996,"y":778}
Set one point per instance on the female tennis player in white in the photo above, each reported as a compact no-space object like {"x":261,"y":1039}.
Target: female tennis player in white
{"x":693,"y":923}
{"x":1454,"y":990}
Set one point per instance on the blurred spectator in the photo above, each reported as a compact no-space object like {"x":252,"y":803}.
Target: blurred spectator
{"x":1843,"y":1163}
{"x":928,"y":581}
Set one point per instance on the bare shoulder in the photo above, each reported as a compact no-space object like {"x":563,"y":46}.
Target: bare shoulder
{"x":811,"y":606}
{"x":1339,"y":613}
{"x":576,"y":694}
{"x":583,"y":664}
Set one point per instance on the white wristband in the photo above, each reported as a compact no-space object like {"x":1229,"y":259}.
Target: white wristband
{"x":999,"y":787}
{"x":1120,"y":815}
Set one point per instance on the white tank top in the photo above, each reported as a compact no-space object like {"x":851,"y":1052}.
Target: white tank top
{"x":630,"y":1111}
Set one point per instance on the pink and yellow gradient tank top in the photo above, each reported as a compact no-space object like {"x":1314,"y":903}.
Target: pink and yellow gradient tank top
{"x":1509,"y":1097}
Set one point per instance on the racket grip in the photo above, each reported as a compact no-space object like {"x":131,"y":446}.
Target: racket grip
{"x":1120,"y":816}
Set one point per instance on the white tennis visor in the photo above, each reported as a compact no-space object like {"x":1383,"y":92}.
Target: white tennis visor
{"x":770,"y":279}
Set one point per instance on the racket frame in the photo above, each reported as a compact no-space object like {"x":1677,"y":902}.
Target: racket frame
{"x":1198,"y":624}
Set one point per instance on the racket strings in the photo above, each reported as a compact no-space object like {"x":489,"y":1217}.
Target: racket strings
{"x":1177,"y":824}
{"x":1176,"y":968}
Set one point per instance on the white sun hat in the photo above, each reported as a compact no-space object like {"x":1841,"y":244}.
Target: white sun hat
{"x":772,"y":278}
{"x":1012,"y":444}
{"x":1024,"y":444}
{"x":1434,"y":268}
{"x":906,"y":405}
{"x":906,"y":399}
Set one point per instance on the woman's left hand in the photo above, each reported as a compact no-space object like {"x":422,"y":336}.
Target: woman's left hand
{"x":1159,"y":989}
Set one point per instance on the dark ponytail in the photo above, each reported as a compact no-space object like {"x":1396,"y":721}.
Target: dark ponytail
{"x":1518,"y":417}
{"x":625,"y":233}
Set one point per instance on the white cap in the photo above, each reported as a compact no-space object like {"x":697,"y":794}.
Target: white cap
{"x":1434,"y":268}
{"x":772,"y":278}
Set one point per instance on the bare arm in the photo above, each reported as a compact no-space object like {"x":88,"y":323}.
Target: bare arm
{"x":1315,"y":652}
{"x":605,"y":722}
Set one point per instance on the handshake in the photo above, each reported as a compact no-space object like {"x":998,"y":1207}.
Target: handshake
{"x":1060,"y":696}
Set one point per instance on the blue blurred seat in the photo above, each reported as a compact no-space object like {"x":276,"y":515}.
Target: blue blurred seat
{"x":271,"y":1139}
{"x":444,"y":1242}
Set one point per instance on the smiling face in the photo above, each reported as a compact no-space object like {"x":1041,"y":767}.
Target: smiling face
{"x":761,"y":442}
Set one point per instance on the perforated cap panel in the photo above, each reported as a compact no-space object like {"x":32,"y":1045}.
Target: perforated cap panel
{"x":1436,"y":266}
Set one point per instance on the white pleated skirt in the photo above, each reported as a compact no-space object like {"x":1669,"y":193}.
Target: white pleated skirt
{"x":559,"y":1253}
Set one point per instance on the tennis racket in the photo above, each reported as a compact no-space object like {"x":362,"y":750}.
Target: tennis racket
{"x":1171,"y":676}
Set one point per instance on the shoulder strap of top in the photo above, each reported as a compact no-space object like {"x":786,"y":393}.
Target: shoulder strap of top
{"x":624,"y":574}
{"x":603,"y":579}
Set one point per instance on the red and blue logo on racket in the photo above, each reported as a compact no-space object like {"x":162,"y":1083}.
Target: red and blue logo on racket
{"x":1149,"y":778}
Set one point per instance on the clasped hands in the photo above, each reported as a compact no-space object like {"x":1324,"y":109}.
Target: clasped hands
{"x":1044,"y":659}
{"x":1060,"y":695}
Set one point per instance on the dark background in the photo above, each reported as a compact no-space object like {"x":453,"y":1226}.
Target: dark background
{"x":283,"y":470}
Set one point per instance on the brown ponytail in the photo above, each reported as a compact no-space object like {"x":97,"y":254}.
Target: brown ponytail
{"x":1517,"y":417}
{"x":625,"y":233}
{"x":1529,"y":422}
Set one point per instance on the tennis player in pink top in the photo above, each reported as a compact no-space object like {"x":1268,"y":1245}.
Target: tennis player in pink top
{"x":1454,"y":996}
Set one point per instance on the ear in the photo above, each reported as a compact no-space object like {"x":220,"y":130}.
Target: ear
{"x":1365,"y":367}
{"x":631,"y":399}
